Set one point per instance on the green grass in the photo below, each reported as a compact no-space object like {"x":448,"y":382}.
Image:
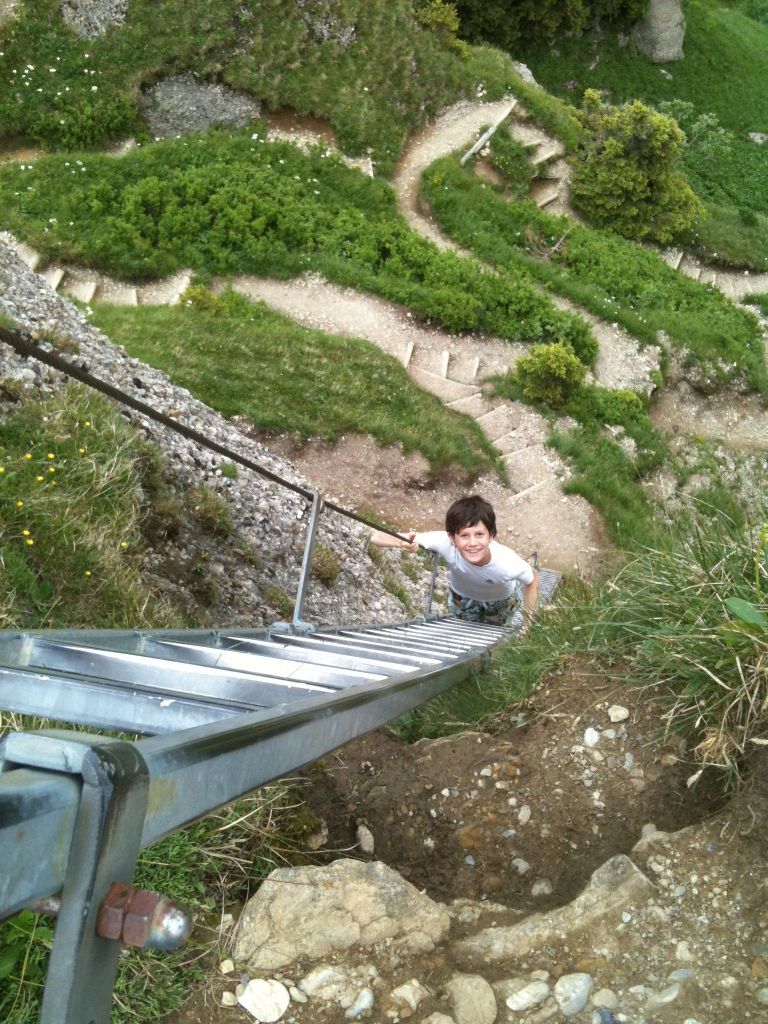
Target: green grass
{"x":607,"y":465}
{"x":385,"y":82}
{"x":760,"y":300}
{"x":226,"y":203}
{"x":70,"y":517}
{"x":308,"y":382}
{"x":613,"y":278}
{"x":726,"y":55}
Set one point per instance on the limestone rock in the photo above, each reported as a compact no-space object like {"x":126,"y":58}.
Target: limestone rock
{"x":613,"y":887}
{"x":659,"y":35}
{"x":308,"y":912}
{"x":266,"y":1001}
{"x":472,"y":998}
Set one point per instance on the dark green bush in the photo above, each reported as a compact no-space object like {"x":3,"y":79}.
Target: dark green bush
{"x":226,"y":203}
{"x":615,"y":279}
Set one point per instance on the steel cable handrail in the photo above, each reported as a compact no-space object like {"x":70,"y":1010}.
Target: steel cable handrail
{"x":25,"y":347}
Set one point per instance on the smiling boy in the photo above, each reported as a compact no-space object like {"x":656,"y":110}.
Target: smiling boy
{"x":483,"y":575}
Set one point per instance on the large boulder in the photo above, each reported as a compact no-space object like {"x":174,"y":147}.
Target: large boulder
{"x":659,"y":35}
{"x":310,"y":912}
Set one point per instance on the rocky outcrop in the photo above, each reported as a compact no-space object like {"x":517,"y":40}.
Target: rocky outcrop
{"x":91,"y":18}
{"x":311,"y":912}
{"x":180,"y":105}
{"x":615,"y":886}
{"x":659,"y":35}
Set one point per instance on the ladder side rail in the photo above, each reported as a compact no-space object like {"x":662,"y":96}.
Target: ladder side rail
{"x":201,"y":769}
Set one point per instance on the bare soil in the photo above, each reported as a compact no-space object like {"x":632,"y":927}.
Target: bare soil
{"x":449,"y":814}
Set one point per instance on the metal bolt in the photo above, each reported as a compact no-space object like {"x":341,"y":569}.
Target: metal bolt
{"x":139,"y":917}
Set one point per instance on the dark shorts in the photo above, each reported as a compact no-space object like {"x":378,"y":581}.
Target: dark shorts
{"x":497,"y":613}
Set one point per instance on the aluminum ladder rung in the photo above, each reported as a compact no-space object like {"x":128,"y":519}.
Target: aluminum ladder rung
{"x":341,"y":643}
{"x":316,"y":656}
{"x":166,"y":676}
{"x":65,"y":698}
{"x":248,"y":662}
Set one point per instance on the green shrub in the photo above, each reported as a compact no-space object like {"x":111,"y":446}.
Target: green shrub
{"x":326,"y":565}
{"x":210,"y":510}
{"x":225,"y":203}
{"x":625,"y":175}
{"x":550,"y":374}
{"x":511,"y":160}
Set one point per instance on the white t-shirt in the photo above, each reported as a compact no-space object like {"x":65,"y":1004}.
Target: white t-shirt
{"x":491,"y":582}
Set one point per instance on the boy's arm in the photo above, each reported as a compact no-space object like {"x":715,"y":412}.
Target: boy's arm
{"x":530,"y":597}
{"x":405,"y":542}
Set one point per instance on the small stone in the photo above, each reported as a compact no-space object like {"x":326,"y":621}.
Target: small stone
{"x":603,"y":1016}
{"x":605,"y":998}
{"x":226,"y":967}
{"x":472,"y":999}
{"x":521,"y":866}
{"x":266,"y":1001}
{"x":762,"y":995}
{"x":411,"y":993}
{"x":759,"y":969}
{"x":663,"y":997}
{"x":228,"y":999}
{"x":530,"y":995}
{"x":683,"y":952}
{"x":541,"y":888}
{"x":591,"y":737}
{"x":617,"y":713}
{"x":297,"y":995}
{"x":365,"y":839}
{"x":361,"y":1005}
{"x":572,"y":992}
{"x":524,"y":814}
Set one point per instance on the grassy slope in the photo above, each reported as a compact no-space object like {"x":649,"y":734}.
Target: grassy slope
{"x":373,"y":89}
{"x":722,"y":75}
{"x":309,"y":382}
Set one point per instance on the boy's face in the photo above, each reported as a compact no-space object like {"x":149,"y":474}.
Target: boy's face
{"x":473,"y":543}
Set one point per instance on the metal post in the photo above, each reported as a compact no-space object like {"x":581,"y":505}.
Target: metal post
{"x":298,"y":625}
{"x":105,"y":844}
{"x":428,"y":613}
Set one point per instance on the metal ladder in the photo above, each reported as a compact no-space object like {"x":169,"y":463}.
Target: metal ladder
{"x":222,"y":712}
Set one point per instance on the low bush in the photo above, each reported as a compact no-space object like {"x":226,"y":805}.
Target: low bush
{"x":512,"y":160}
{"x":550,"y":374}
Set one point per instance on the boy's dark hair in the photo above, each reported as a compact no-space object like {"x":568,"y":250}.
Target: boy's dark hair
{"x":469,"y":511}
